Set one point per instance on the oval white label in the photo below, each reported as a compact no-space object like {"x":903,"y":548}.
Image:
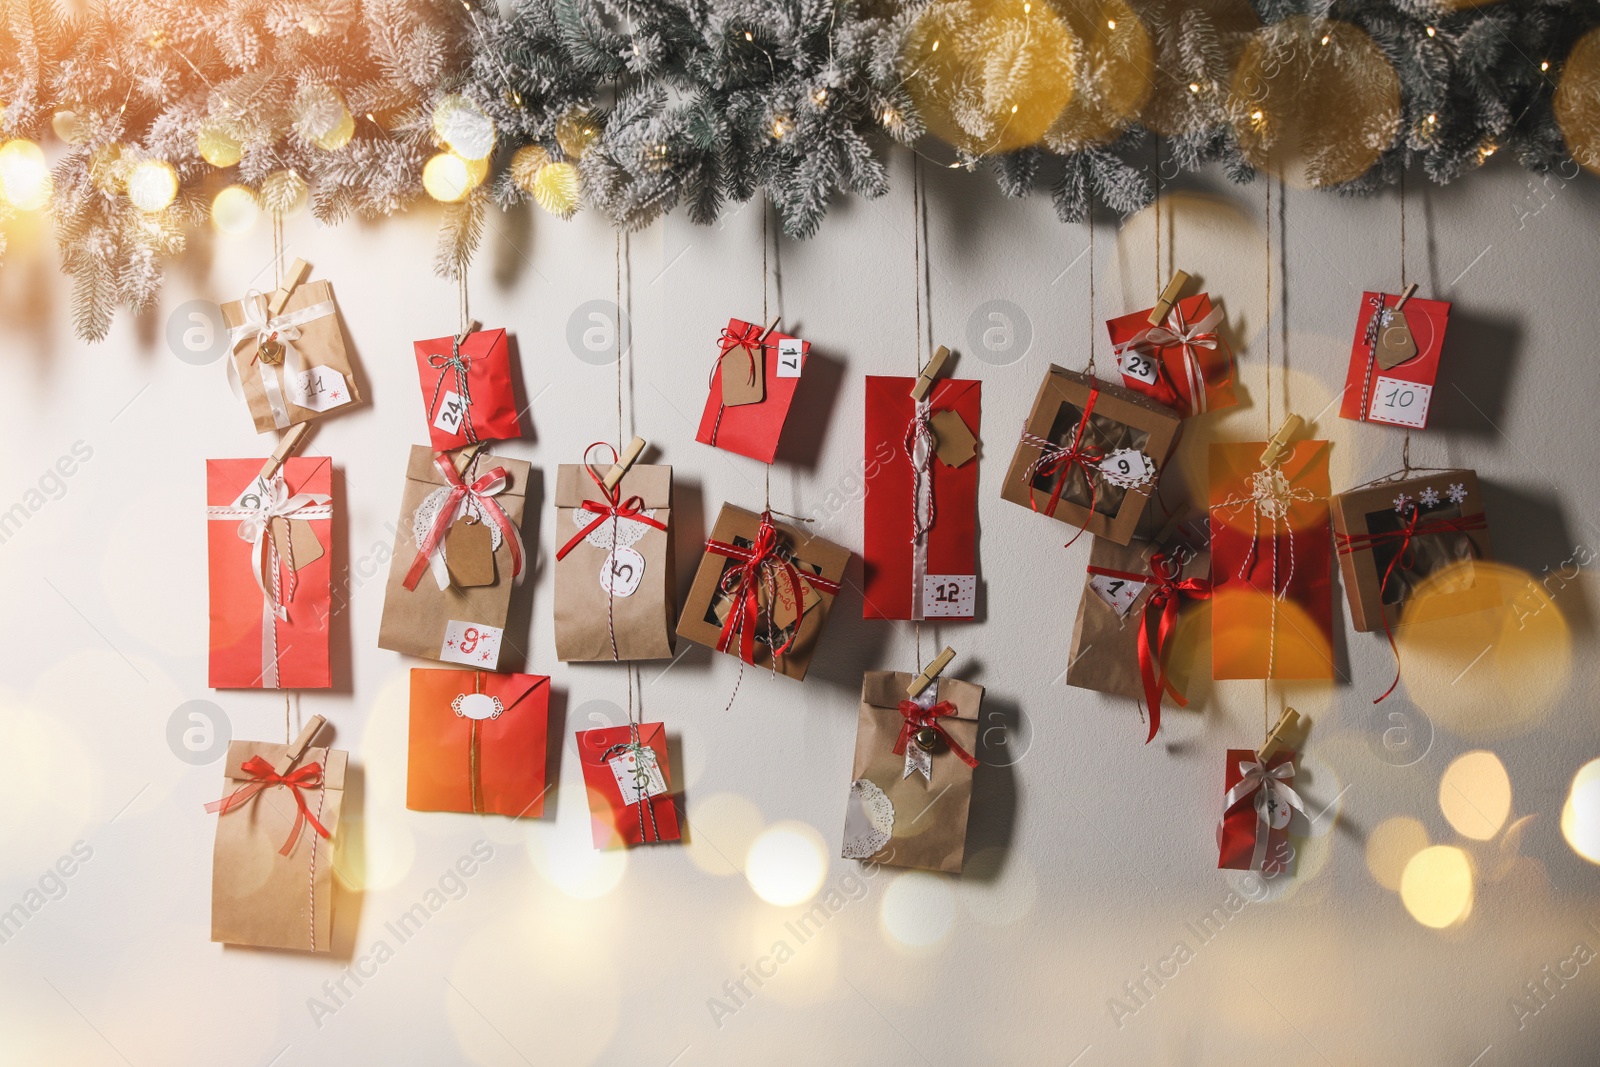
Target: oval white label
{"x":622,"y":571}
{"x":477,"y":706}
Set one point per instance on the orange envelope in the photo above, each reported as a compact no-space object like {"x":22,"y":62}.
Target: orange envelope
{"x":478,"y":742}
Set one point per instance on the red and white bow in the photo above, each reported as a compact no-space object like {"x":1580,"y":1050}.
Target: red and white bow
{"x":462,"y":499}
{"x":1274,"y":797}
{"x":1175,"y":333}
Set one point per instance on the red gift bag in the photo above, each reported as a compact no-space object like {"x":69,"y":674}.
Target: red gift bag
{"x":1184,"y":362}
{"x":921,"y":512}
{"x":466,"y":389}
{"x":477,"y":742}
{"x":1271,"y":563}
{"x":1257,"y":803}
{"x":268,"y":558}
{"x":1400,"y":394}
{"x":776,"y":360}
{"x":622,"y":766}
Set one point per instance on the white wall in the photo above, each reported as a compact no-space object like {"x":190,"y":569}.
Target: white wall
{"x":1089,"y":857}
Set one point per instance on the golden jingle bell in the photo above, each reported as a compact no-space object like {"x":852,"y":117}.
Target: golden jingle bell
{"x":271,"y":351}
{"x":927,"y":738}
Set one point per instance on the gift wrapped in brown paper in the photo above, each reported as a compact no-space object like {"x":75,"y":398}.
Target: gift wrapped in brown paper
{"x":1090,"y":454}
{"x":272,"y":865}
{"x":763,"y":591}
{"x":288,"y":353}
{"x":616,"y":594}
{"x":912,"y":785}
{"x":457,"y":554}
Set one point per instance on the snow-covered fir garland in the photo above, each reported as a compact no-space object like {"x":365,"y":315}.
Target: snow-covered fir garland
{"x":638,"y":107}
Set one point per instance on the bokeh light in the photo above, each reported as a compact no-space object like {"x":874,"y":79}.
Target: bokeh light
{"x":786,"y":864}
{"x":918,"y":909}
{"x":152,"y":185}
{"x":447,"y":178}
{"x":1475,"y":795}
{"x":234,"y":209}
{"x":1436,"y":886}
{"x":1580,"y":815}
{"x":1114,"y":74}
{"x":1390,"y":846}
{"x":218,"y":146}
{"x":725,"y":826}
{"x":1197,"y":45}
{"x":24,"y":175}
{"x":565,"y":854}
{"x":463,"y":127}
{"x":1577,"y":101}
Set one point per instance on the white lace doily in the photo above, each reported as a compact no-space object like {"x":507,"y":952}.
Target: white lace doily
{"x":627,"y":531}
{"x":428,"y":514}
{"x":868,"y":821}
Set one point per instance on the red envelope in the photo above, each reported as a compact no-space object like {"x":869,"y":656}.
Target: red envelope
{"x":1184,"y":362}
{"x":1241,"y":824}
{"x":753,"y":429}
{"x":1400,"y":395}
{"x":1255,"y":634}
{"x":613,"y":775}
{"x":466,"y":392}
{"x":932,"y":574}
{"x":477,"y":742}
{"x":269,"y":597}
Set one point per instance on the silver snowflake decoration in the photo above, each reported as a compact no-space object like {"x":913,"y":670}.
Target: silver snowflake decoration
{"x":1457,"y":492}
{"x":1402,"y":502}
{"x":1429,"y":497}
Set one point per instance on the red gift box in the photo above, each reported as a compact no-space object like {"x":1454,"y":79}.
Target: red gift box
{"x":1257,"y":801}
{"x":269,"y":545}
{"x":1184,"y":362}
{"x":630,"y":795}
{"x":466,"y":389}
{"x":477,"y":742}
{"x":921,"y":513}
{"x":1271,"y":563}
{"x":753,"y":429}
{"x":1400,"y":395}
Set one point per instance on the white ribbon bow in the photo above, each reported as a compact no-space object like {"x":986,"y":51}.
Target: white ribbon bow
{"x":1274,"y":798}
{"x":285,"y":329}
{"x":1186,"y":337}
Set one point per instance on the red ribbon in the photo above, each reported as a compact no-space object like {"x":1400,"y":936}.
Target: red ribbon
{"x":917,"y":717}
{"x":613,"y":507}
{"x":480,"y":490}
{"x":1161,"y":607}
{"x":262,"y":775}
{"x":1414,"y":527}
{"x":761,"y":567}
{"x":750,"y":338}
{"x":1060,"y":462}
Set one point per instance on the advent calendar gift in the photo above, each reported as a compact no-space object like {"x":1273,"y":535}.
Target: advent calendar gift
{"x":272,"y":862}
{"x":1182,"y":360}
{"x":762,"y":591}
{"x":1394,"y":360}
{"x":458,"y":552}
{"x":921,"y":507}
{"x":1090,"y":454}
{"x":1128,"y":618}
{"x":1271,"y":561}
{"x":477,"y":742}
{"x":752,"y":385}
{"x":630,"y":792}
{"x":616,"y":592}
{"x":1257,"y":803}
{"x":466,"y":389}
{"x":287,"y":352}
{"x":911,"y":788}
{"x":268,"y":560}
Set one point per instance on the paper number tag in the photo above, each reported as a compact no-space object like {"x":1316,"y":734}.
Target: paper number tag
{"x":790,"y":350}
{"x":1400,"y":403}
{"x":949,"y":596}
{"x":1119,"y":593}
{"x":471,"y":643}
{"x":318,"y":389}
{"x":622,"y":571}
{"x":1127,"y":468}
{"x":628,"y":776}
{"x":1139,"y":365}
{"x":451,"y":412}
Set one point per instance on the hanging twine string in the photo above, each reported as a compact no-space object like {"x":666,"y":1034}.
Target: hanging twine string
{"x":1090,"y":367}
{"x":766,"y":208}
{"x":1272,"y":620}
{"x":277,"y":249}
{"x":916,"y":349}
{"x":1405,"y":447}
{"x":1158,"y":213}
{"x":620,"y":442}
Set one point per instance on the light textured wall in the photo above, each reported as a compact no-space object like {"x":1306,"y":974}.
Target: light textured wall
{"x":1091,"y":856}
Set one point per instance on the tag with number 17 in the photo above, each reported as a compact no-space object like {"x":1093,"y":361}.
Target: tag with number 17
{"x":790,"y":352}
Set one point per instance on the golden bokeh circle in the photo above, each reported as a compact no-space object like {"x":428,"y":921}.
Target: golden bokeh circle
{"x":1577,"y":101}
{"x":1197,"y":44}
{"x":1314,"y":101}
{"x":1115,"y":68}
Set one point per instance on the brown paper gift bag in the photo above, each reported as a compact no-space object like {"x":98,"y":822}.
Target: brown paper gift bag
{"x":897,"y":814}
{"x":272,"y":864}
{"x":436,"y":617}
{"x":292,"y":365}
{"x":616,"y":592}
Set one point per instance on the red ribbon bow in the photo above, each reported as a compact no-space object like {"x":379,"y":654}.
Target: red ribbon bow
{"x":917,"y":717}
{"x":761,"y":567}
{"x":1058,"y":462}
{"x":612,"y":508}
{"x":1161,"y":608}
{"x":481,"y":491}
{"x":263,"y":775}
{"x":750,"y":338}
{"x":1413,"y":528}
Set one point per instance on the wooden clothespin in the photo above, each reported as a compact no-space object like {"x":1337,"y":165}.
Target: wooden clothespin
{"x":473,"y":325}
{"x":286,"y":444}
{"x":1169,"y":296}
{"x":297,"y":271}
{"x":626,"y":460}
{"x":1407,"y":295}
{"x":929,"y":373}
{"x":1286,"y":722}
{"x":282,"y":764}
{"x":1280,"y":440}
{"x":930,"y":672}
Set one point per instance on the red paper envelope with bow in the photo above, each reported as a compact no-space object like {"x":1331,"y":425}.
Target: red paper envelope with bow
{"x":477,"y":742}
{"x":921,"y":507}
{"x":466,"y":389}
{"x":770,"y":359}
{"x":1398,"y":394}
{"x":630,"y":794}
{"x":1184,"y":362}
{"x":269,"y":564}
{"x":1257,"y":804}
